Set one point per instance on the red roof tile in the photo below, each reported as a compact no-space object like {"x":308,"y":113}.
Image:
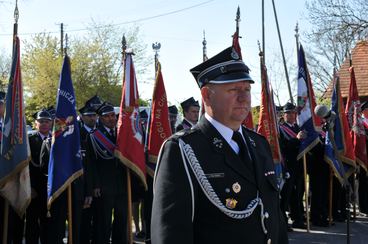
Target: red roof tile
{"x":360,"y":63}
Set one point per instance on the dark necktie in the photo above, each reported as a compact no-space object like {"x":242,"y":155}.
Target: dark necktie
{"x":243,"y":152}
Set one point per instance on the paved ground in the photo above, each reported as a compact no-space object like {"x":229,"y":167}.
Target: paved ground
{"x":335,"y":234}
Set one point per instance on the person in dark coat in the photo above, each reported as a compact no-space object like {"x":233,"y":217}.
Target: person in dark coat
{"x":173,"y":116}
{"x":110,"y":189}
{"x":89,"y":119}
{"x":216,"y":183}
{"x":293,"y":190}
{"x":190,"y":112}
{"x":36,"y":213}
{"x":363,"y":178}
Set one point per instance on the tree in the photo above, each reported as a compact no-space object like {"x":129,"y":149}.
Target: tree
{"x":95,"y":63}
{"x":336,"y":27}
{"x":5,"y":63}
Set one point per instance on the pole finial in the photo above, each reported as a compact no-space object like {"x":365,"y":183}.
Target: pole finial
{"x":237,"y":20}
{"x":123,"y":44}
{"x":16,"y":12}
{"x":204,"y":48}
{"x":66,"y":45}
{"x":156,"y":47}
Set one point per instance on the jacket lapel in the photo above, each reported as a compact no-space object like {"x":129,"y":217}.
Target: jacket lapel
{"x":219,"y":145}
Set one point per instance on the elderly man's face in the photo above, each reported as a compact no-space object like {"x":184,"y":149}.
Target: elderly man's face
{"x":290,"y":117}
{"x":228,"y":103}
{"x":192,"y":114}
{"x":108,"y":120}
{"x":89,"y":120}
{"x":43,"y":126}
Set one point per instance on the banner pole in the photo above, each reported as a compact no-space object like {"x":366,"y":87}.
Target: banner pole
{"x":5,"y":226}
{"x":330,"y":198}
{"x":129,"y":219}
{"x":70,"y":216}
{"x":306,"y":191}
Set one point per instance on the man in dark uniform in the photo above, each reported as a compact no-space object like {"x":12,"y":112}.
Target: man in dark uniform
{"x":292,"y":192}
{"x":215,"y":183}
{"x":190,"y":112}
{"x":319,"y":175}
{"x":110,"y":180}
{"x":363,"y":179}
{"x":89,"y":119}
{"x":173,"y":116}
{"x":36,"y":220}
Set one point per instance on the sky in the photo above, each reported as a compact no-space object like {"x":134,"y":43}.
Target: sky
{"x":178,"y":26}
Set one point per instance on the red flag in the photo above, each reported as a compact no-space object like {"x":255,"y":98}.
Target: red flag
{"x":248,"y":122}
{"x":160,"y":128}
{"x":354,"y":116}
{"x":129,"y":142}
{"x":267,"y":118}
{"x":347,"y":154}
{"x":236,"y":44}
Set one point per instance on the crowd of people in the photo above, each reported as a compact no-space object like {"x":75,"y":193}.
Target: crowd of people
{"x":215,"y":180}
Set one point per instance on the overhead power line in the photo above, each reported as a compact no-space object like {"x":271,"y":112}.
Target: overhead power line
{"x":124,"y":23}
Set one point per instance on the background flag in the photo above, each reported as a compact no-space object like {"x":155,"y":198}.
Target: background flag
{"x":248,"y":122}
{"x":65,"y":164}
{"x":268,"y":126}
{"x":160,"y":128}
{"x":306,"y":118}
{"x":354,"y":115}
{"x":129,"y":142}
{"x":341,"y":136}
{"x":15,"y":153}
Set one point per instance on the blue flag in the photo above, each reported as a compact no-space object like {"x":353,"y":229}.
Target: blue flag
{"x":65,"y":164}
{"x":15,"y":153}
{"x":341,"y":158}
{"x":305,"y":105}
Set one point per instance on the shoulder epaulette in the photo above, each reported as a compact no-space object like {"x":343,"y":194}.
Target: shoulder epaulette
{"x":184,"y":133}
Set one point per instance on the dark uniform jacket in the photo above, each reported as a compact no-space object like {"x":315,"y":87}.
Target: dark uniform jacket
{"x":88,"y":173}
{"x":110,"y":174}
{"x":290,"y":146}
{"x":178,"y":197}
{"x":185,"y":124}
{"x":37,"y":171}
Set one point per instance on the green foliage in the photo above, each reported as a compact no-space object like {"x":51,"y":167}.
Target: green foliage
{"x":95,"y":65}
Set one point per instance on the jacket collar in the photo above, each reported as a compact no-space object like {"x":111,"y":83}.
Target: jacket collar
{"x":219,"y":144}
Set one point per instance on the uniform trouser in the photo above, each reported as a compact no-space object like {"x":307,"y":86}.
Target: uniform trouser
{"x":339,"y":200}
{"x":363,"y":191}
{"x":15,"y":225}
{"x":292,"y":193}
{"x":86,"y":224}
{"x":111,"y":219}
{"x":36,"y":221}
{"x":148,"y":199}
{"x":59,"y":216}
{"x":319,"y":178}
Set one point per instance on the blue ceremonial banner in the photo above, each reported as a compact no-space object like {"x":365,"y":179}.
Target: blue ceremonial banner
{"x":65,"y":163}
{"x":15,"y":153}
{"x":305,"y":106}
{"x":343,"y":151}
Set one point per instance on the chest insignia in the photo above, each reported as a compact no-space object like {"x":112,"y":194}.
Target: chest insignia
{"x":252,"y":142}
{"x":217,"y":142}
{"x":236,"y":187}
{"x":269,"y":173}
{"x":231,"y":203}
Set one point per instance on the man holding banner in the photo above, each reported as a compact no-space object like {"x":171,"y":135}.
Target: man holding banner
{"x":216,"y":183}
{"x":110,"y":190}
